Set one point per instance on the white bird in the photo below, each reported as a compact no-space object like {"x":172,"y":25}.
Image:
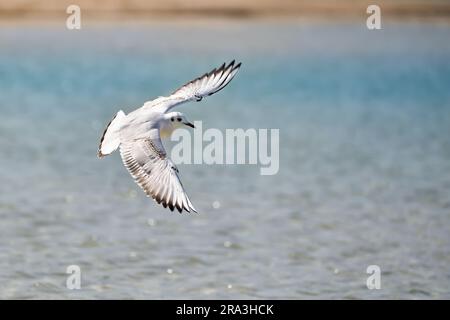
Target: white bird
{"x":139,"y":136}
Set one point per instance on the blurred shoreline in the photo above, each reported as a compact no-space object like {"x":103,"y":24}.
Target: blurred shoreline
{"x":142,"y":11}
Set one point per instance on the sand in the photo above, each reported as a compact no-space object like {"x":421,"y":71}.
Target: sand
{"x":44,"y":10}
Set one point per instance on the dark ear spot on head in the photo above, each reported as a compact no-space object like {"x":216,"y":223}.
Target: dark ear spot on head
{"x":171,"y":119}
{"x":179,"y":119}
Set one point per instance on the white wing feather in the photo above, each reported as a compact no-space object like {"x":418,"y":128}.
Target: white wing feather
{"x":197,"y":89}
{"x":147,"y":163}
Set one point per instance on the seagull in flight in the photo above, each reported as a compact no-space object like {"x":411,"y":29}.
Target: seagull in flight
{"x":139,"y":134}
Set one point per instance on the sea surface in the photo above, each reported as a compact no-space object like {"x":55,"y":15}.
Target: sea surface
{"x":364,"y":151}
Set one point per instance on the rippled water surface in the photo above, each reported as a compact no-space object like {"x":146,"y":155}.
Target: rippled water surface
{"x":364,"y":119}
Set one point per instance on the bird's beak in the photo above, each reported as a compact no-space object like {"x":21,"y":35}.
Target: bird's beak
{"x":189,"y":124}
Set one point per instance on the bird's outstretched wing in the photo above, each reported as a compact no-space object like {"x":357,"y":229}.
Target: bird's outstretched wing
{"x":203,"y":86}
{"x":156,"y":174}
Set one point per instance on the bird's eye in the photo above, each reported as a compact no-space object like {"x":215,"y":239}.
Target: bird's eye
{"x":171,"y":119}
{"x":179,"y":119}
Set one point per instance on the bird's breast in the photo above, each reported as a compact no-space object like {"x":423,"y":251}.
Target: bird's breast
{"x":166,"y":130}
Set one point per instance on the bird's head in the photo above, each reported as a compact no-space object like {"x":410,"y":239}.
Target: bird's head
{"x":178,"y":120}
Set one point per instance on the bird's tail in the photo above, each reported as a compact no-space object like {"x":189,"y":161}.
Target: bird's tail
{"x":110,"y":140}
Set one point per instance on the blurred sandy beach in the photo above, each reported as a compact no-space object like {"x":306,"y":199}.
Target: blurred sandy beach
{"x":24,"y":10}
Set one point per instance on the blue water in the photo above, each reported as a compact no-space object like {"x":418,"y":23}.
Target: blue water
{"x":364,"y":119}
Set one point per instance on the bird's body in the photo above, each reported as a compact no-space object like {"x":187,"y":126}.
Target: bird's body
{"x":139,"y":135}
